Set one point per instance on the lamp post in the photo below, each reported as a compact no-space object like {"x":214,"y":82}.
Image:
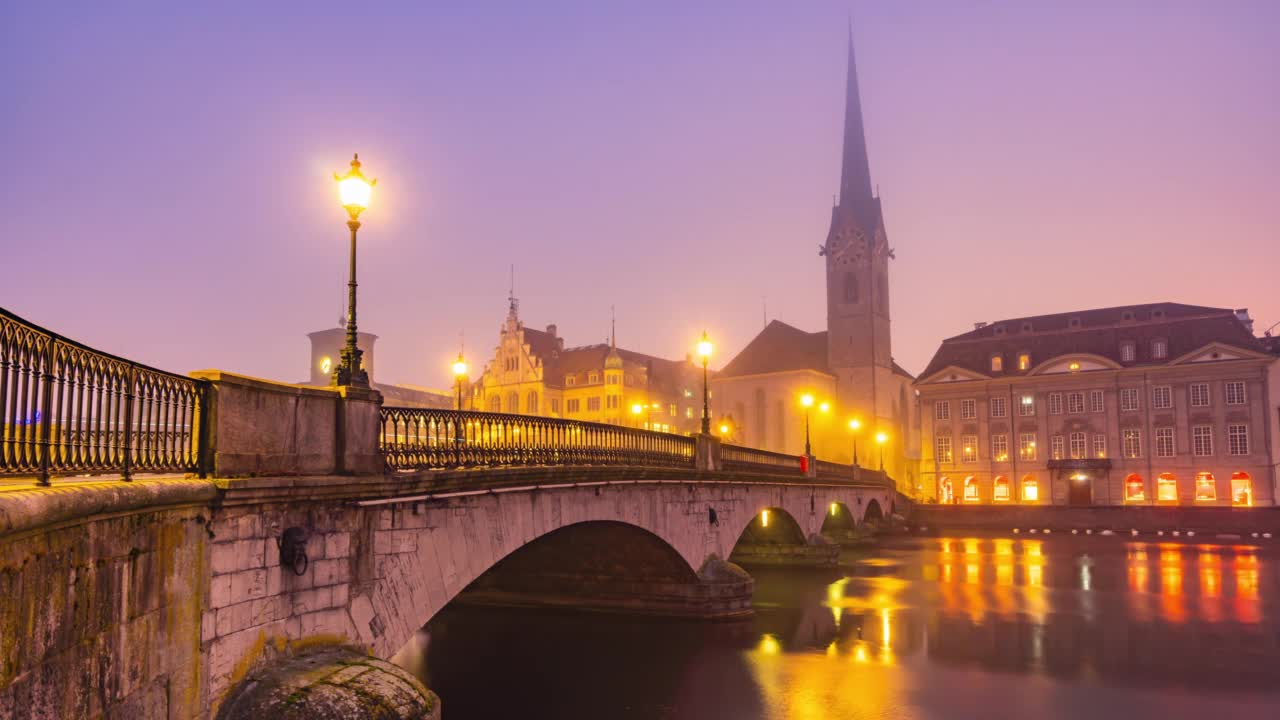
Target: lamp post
{"x":855,"y":425}
{"x":354,"y":190}
{"x":459,"y":375}
{"x":704,"y":352}
{"x":881,"y":439}
{"x":806,"y":401}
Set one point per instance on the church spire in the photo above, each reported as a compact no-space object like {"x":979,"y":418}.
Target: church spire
{"x":855,"y":174}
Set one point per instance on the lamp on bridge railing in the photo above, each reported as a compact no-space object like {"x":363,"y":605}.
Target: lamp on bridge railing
{"x":806,"y":401}
{"x":881,"y":439}
{"x":704,"y":352}
{"x":354,"y":190}
{"x":854,"y":426}
{"x":459,"y":375}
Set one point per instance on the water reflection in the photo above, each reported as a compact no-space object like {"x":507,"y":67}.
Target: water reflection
{"x":920,"y":629}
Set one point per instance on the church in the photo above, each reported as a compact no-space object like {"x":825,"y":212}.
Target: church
{"x":848,"y":368}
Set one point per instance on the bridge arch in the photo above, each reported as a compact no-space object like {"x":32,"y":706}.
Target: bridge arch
{"x":873,"y":513}
{"x":839,"y":521}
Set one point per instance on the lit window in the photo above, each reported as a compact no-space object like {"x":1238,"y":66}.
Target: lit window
{"x":570,"y":381}
{"x":1024,"y":361}
{"x":1206,"y":487}
{"x":1075,"y":403}
{"x":1027,"y":406}
{"x":1077,"y":445}
{"x":1057,"y":447}
{"x":1166,"y":488}
{"x":1027,"y":446}
{"x":1159,"y":349}
{"x":613,"y":401}
{"x":1164,"y":442}
{"x":945,"y":494}
{"x":593,"y":378}
{"x":999,"y":408}
{"x":1099,"y":445}
{"x":1030,"y":489}
{"x":1241,"y":489}
{"x":1202,"y":440}
{"x":1132,"y":443}
{"x":1135,"y":490}
{"x":1161,"y":397}
{"x":1128,"y":351}
{"x":673,"y":411}
{"x":1128,"y":399}
{"x":968,"y":409}
{"x":688,"y":413}
{"x":1000,"y":447}
{"x":1055,"y":403}
{"x":1000,"y":489}
{"x":1238,"y":439}
{"x":1235,"y":392}
{"x":942,"y":410}
{"x":1097,"y":403}
{"x":943,"y":443}
{"x":1199,"y":394}
{"x":968,"y":448}
{"x":1073,"y":366}
{"x":971,"y":489}
{"x":997,"y":363}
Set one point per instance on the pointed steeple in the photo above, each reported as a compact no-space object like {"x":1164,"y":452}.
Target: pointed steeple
{"x":855,"y":174}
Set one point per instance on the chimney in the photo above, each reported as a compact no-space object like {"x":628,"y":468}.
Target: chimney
{"x":551,"y":329}
{"x":1242,"y":314}
{"x":979,"y":325}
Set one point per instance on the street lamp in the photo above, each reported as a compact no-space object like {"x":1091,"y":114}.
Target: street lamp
{"x":354,"y":190}
{"x":854,"y":426}
{"x":704,"y":352}
{"x":806,"y":401}
{"x":459,"y":375}
{"x":881,"y":439}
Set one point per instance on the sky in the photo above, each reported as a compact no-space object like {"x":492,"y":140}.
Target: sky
{"x":168,"y":190}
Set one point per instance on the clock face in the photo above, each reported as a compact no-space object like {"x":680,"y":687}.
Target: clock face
{"x":326,"y":365}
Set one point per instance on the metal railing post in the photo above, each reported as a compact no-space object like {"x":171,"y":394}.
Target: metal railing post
{"x":46,"y":410}
{"x":130,"y":380}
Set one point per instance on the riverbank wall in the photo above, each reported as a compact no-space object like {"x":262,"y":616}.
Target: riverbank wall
{"x":1201,"y":520}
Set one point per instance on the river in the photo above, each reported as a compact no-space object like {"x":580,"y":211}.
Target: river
{"x":954,"y":627}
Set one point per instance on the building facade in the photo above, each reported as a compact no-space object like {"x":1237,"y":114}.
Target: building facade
{"x":531,"y":372}
{"x":849,"y":366}
{"x":1158,"y":404}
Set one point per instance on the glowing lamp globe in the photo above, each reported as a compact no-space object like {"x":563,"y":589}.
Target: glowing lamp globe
{"x":354,"y":189}
{"x":460,"y":368}
{"x":704,"y":346}
{"x":881,"y":438}
{"x":855,"y":424}
{"x":825,"y":407}
{"x":806,"y":400}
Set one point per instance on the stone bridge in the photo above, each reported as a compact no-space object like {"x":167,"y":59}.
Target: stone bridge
{"x":159,"y":596}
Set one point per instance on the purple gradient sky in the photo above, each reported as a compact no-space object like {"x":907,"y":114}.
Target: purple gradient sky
{"x":168,"y":191}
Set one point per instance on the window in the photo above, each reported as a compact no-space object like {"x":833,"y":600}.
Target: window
{"x":968,"y":409}
{"x":971,"y":489}
{"x":593,"y":404}
{"x":672,"y":410}
{"x":1128,"y":351}
{"x":1206,"y":487}
{"x":1202,"y":440}
{"x":1027,"y":406}
{"x":1000,"y":447}
{"x":1030,"y":489}
{"x":531,"y":403}
{"x":1199,"y":394}
{"x":968,"y":448}
{"x":1161,"y":397}
{"x":997,"y":363}
{"x":1000,"y":489}
{"x":1027,"y":446}
{"x":688,"y":413}
{"x":1056,"y":447}
{"x":1075,"y":403}
{"x":1132,"y":440}
{"x":593,"y":378}
{"x":944,"y":491}
{"x":1055,"y":403}
{"x":942,"y":410}
{"x":612,"y":402}
{"x":627,"y":379}
{"x":1024,"y":361}
{"x":1135,"y":490}
{"x":1235,"y":392}
{"x":555,"y":406}
{"x":1097,"y":402}
{"x":611,"y":379}
{"x":1238,"y":439}
{"x":999,"y":408}
{"x":572,"y":405}
{"x":513,"y":402}
{"x":1077,"y":446}
{"x":1159,"y":349}
{"x":495,"y":404}
{"x":1166,"y":488}
{"x":1099,"y":445}
{"x":1128,"y":399}
{"x":1241,"y":489}
{"x":943,"y":443}
{"x":1164,"y":442}
{"x":570,"y":381}
{"x":850,"y":288}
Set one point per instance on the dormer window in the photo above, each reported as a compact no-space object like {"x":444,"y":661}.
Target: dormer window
{"x":570,"y":381}
{"x":1073,"y":323}
{"x":1128,"y":351}
{"x":1159,"y":348}
{"x":593,"y":378}
{"x":1024,"y":361}
{"x":1127,"y":316}
{"x":1026,"y":326}
{"x":998,"y":330}
{"x":997,"y":363}
{"x":1157,"y":314}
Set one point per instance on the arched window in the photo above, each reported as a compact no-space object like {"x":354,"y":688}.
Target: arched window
{"x":495,"y":403}
{"x":1166,"y":488}
{"x":945,"y":495}
{"x":850,"y":288}
{"x":1000,"y":489}
{"x":513,"y":402}
{"x":1030,"y":489}
{"x":971,"y":489}
{"x":997,"y":363}
{"x":1135,"y":490}
{"x":1241,"y":489}
{"x":1206,"y":487}
{"x":531,"y":403}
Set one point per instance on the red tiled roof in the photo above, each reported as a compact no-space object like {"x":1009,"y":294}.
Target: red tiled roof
{"x":1097,"y":332}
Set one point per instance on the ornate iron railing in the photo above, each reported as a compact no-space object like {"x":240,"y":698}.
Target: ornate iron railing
{"x":67,"y":409}
{"x":737,"y":457}
{"x":427,"y":438}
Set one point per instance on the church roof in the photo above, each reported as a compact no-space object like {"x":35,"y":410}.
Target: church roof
{"x":1096,"y":332}
{"x":779,"y":348}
